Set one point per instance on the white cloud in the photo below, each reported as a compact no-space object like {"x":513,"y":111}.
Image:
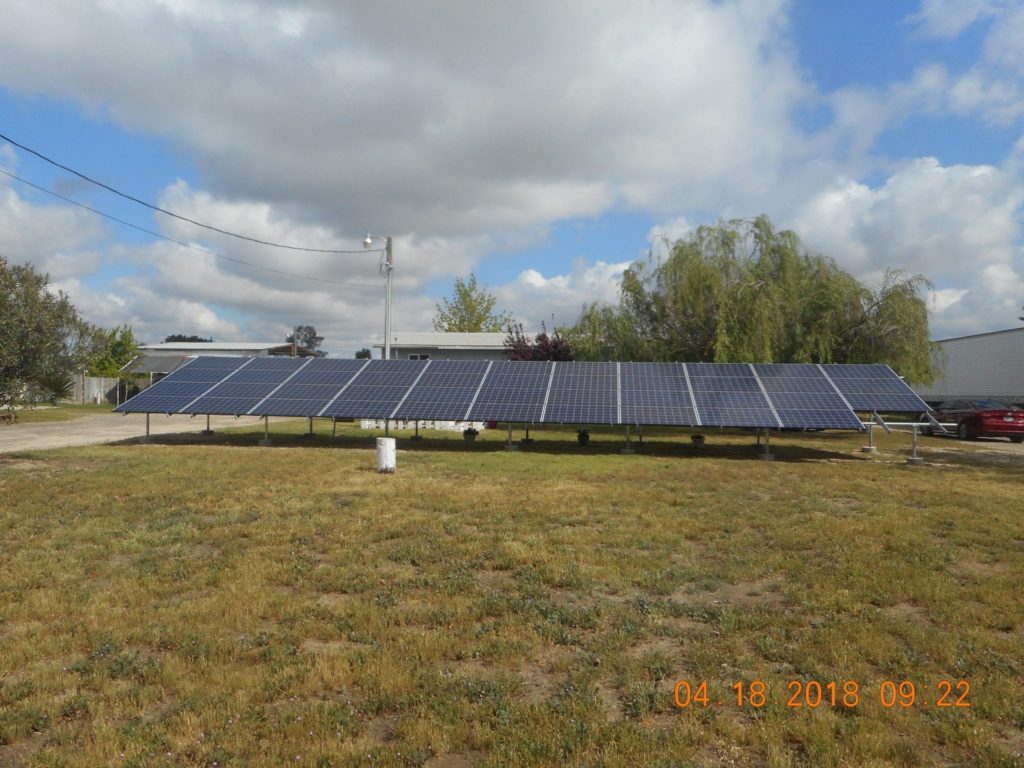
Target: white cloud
{"x":957,"y":225}
{"x":946,"y":19}
{"x":558,"y":299}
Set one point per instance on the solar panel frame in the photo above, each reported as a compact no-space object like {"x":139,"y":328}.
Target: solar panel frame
{"x":583,"y":393}
{"x":311,"y":389}
{"x":239,"y":393}
{"x":182,"y":386}
{"x":874,"y":387}
{"x":444,"y":392}
{"x":656,"y":394}
{"x":804,"y":398}
{"x":513,"y":391}
{"x":377,"y":390}
{"x":729,"y":395}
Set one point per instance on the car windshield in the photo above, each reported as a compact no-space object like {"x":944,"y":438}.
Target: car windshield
{"x":992,"y":405}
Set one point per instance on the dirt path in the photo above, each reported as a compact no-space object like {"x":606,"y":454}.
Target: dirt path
{"x":104,"y":428}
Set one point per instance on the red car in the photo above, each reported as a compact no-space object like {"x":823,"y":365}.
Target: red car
{"x":981,"y":418}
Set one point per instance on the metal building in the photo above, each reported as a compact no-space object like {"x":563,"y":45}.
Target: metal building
{"x":987,"y":365}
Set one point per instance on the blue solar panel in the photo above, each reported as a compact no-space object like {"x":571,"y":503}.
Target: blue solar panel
{"x":182,"y":386}
{"x":512,"y":391}
{"x":804,"y":398}
{"x":736,"y":394}
{"x":583,"y":393}
{"x":728,"y":395}
{"x":310,"y":389}
{"x":444,"y":391}
{"x":656,"y":393}
{"x":247,"y":386}
{"x":874,"y":388}
{"x":376,"y":391}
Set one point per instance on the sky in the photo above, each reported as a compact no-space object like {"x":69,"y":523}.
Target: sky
{"x":542,"y":146}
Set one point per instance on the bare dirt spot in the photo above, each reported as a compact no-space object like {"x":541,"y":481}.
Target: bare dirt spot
{"x":455,"y":760}
{"x":975,"y":570}
{"x":907,"y":612}
{"x":541,"y":676}
{"x":660,"y":646}
{"x":330,"y":647}
{"x":492,"y":581}
{"x":23,"y":465}
{"x":338,"y":600}
{"x":743,"y":594}
{"x":609,"y":698}
{"x":380,"y":730}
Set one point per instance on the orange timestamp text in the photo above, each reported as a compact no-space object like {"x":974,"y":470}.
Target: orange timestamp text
{"x":836,"y":694}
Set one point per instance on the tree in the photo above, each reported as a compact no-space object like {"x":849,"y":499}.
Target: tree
{"x":43,"y":341}
{"x":470,"y":310}
{"x":306,"y":336}
{"x":181,"y":337}
{"x":741,"y":291}
{"x":117,"y":348}
{"x":542,"y":347}
{"x":364,"y":354}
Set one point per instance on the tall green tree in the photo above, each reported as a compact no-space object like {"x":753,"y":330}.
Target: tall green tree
{"x":471,"y":310}
{"x":43,"y":341}
{"x":117,"y":348}
{"x":742,"y":291}
{"x":307,"y":337}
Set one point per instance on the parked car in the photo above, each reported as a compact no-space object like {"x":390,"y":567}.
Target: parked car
{"x":981,"y":418}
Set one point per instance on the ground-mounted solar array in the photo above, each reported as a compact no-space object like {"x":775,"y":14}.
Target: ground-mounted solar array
{"x":763,"y":395}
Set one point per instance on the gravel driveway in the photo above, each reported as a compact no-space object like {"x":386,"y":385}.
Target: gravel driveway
{"x":105,"y":428}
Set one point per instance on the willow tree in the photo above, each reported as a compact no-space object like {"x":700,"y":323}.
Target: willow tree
{"x":741,"y":291}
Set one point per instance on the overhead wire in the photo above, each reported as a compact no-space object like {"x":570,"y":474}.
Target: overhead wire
{"x":164,"y":211}
{"x":193,"y":246}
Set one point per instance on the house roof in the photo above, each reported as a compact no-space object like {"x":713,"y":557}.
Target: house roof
{"x":212,"y":346}
{"x":443,"y":340}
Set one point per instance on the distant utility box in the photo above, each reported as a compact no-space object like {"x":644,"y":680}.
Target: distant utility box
{"x":985,"y":366}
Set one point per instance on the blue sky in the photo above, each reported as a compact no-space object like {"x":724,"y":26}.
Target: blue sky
{"x":888,"y":135}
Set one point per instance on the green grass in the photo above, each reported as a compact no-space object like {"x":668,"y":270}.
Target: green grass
{"x":63,"y":412}
{"x":194,"y":602}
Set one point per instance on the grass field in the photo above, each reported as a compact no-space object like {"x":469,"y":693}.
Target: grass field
{"x":217,"y":604}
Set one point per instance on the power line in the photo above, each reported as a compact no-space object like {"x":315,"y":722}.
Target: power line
{"x":164,"y":211}
{"x":192,"y":245}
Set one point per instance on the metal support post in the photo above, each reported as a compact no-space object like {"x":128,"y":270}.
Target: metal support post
{"x":387,"y":422}
{"x":509,"y":446}
{"x":207,"y":431}
{"x":639,"y":435}
{"x":628,"y":450}
{"x":870,"y":447}
{"x":266,"y":432}
{"x":767,"y":455}
{"x":914,"y":460}
{"x":527,"y":440}
{"x":417,"y":436}
{"x":334,"y":427}
{"x":147,"y":438}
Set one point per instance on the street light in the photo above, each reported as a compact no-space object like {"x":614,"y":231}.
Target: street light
{"x":387,"y":266}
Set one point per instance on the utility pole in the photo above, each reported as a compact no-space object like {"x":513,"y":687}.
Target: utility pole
{"x":387,"y":266}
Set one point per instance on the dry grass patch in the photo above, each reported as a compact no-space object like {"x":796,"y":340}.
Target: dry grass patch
{"x":186,"y":603}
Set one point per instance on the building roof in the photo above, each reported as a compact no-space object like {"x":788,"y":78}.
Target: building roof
{"x":981,"y":335}
{"x":212,"y":346}
{"x":444,"y":340}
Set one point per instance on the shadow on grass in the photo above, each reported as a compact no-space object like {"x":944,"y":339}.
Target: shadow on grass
{"x":735,"y":445}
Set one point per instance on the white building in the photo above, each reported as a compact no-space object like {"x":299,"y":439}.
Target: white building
{"x":436,"y":345}
{"x":988,"y":365}
{"x":161,"y":359}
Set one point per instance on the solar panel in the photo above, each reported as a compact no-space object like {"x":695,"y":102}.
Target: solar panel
{"x":729,"y":395}
{"x":311,"y":388}
{"x":512,"y":391}
{"x":656,"y":393}
{"x":247,"y":386}
{"x":804,"y":398}
{"x":874,"y":388}
{"x":182,"y":386}
{"x":376,"y":391}
{"x":583,"y":393}
{"x":444,"y":391}
{"x":680,"y":394}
